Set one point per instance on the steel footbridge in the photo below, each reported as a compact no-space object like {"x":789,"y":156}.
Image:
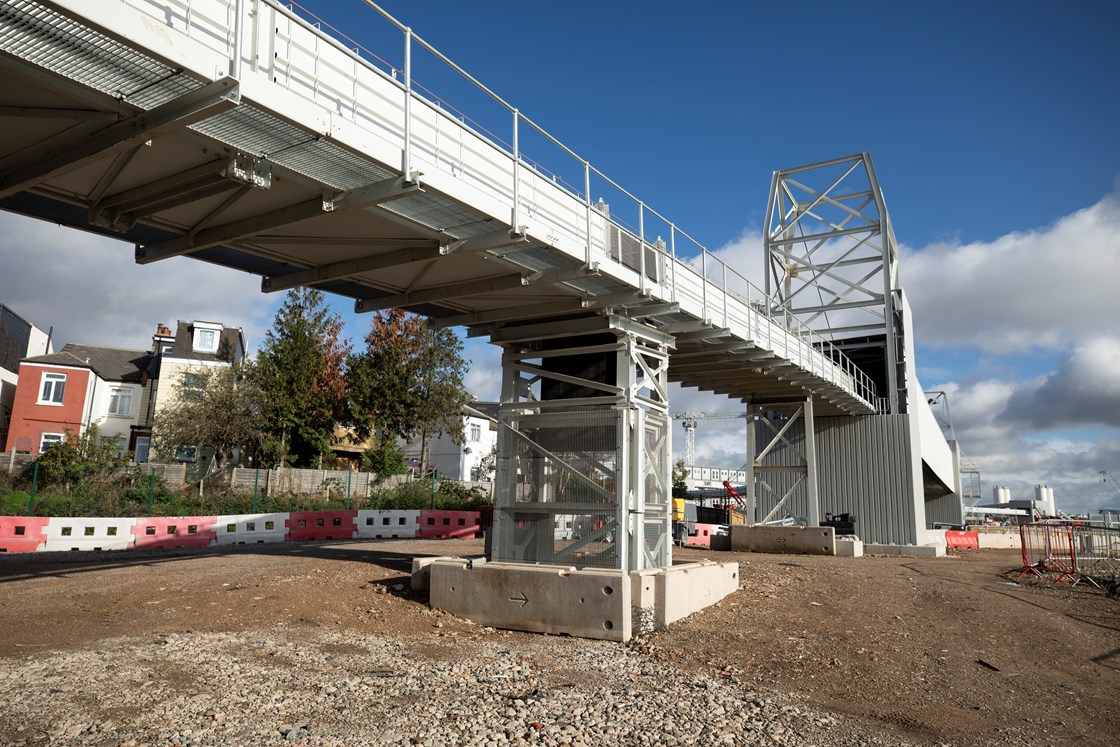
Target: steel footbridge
{"x":248,"y":135}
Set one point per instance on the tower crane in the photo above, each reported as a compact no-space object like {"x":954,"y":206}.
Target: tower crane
{"x":1106,"y":475}
{"x":689,"y":421}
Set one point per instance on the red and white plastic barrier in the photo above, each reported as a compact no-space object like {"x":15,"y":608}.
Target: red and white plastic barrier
{"x":89,"y":534}
{"x":321,"y":525}
{"x":42,"y":534}
{"x":436,"y":524}
{"x":173,"y":531}
{"x":962,"y":540}
{"x":703,"y":536}
{"x":251,"y":529}
{"x":22,"y":534}
{"x":387,"y":524}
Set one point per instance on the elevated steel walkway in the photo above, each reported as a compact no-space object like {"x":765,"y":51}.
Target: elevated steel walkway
{"x":237,"y":133}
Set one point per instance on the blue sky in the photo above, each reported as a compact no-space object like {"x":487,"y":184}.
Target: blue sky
{"x":993,"y":130}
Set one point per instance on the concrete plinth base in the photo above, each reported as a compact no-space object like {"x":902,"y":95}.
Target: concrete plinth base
{"x":804,"y":540}
{"x":918,"y":551}
{"x":590,"y":603}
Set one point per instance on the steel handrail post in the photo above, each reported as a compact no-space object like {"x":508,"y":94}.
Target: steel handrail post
{"x":673,"y":252}
{"x":724,"y":265}
{"x":587,"y":208}
{"x":238,"y":34}
{"x":515,"y":216}
{"x":641,"y":248}
{"x":406,"y":162}
{"x":704,"y":280}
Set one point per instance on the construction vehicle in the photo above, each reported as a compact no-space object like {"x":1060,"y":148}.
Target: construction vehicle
{"x":684,"y":520}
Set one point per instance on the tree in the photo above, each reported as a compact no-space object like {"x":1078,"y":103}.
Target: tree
{"x":680,"y":474}
{"x":224,"y":412}
{"x":408,"y":382}
{"x":300,"y":370}
{"x":77,"y":458}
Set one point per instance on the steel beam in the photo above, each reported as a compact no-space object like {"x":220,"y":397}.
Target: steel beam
{"x":350,"y":267}
{"x":61,"y":154}
{"x":490,"y":316}
{"x":471,"y":288}
{"x":372,"y":194}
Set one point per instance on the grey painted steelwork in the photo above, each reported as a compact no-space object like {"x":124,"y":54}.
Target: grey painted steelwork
{"x":239,"y":133}
{"x":583,"y":446}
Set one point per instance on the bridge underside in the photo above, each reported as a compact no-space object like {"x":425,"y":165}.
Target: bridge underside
{"x":187,"y":144}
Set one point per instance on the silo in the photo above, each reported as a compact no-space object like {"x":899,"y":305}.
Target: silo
{"x":1001,"y":496}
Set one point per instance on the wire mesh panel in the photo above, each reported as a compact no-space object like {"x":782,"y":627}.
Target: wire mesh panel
{"x":655,"y":469}
{"x":558,"y":502}
{"x":1098,"y":551}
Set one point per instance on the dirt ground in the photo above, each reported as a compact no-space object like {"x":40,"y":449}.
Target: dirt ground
{"x":938,"y":650}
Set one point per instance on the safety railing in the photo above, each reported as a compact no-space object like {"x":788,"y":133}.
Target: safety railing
{"x":333,"y":56}
{"x":1048,"y":548}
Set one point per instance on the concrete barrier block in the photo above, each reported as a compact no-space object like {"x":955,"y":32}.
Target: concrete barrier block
{"x":923,"y":551}
{"x":86,"y":534}
{"x":588,"y":603}
{"x":849,"y":547}
{"x":644,"y":601}
{"x":998,"y":541}
{"x":877,"y":549}
{"x":251,"y":529}
{"x":690,"y":587}
{"x":802,"y":540}
{"x":422,"y":567}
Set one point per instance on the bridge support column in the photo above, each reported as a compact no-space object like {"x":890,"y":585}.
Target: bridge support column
{"x":782,"y":461}
{"x":582,"y":542}
{"x":583,"y":468}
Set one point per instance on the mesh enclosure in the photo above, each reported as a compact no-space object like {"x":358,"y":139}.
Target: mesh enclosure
{"x":558,"y":498}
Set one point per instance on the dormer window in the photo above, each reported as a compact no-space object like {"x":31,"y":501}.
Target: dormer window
{"x":206,"y":337}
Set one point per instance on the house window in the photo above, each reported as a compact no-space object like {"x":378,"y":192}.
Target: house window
{"x":205,"y":340}
{"x":191,"y":389}
{"x":476,"y":432}
{"x":48,"y":440}
{"x":120,"y":401}
{"x":54,"y":386}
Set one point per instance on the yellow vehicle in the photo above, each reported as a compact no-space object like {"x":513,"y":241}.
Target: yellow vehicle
{"x":684,"y":520}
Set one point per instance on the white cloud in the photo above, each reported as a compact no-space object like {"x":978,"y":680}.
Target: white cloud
{"x":91,"y":291}
{"x":1058,"y":429}
{"x":1037,"y":289}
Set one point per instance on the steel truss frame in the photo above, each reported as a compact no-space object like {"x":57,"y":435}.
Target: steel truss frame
{"x":599,"y":459}
{"x":832,"y":259}
{"x":762,"y":419}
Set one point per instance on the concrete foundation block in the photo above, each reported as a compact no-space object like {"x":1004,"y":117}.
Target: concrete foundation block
{"x":923,"y":551}
{"x":589,"y":603}
{"x":803,"y":540}
{"x":422,"y":571}
{"x":849,"y":547}
{"x":998,"y":540}
{"x":720,"y":542}
{"x":536,"y":598}
{"x":690,"y":587}
{"x":916,"y":551}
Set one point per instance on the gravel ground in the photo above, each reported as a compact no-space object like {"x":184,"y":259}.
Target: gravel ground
{"x":325,"y":644}
{"x":345,"y":689}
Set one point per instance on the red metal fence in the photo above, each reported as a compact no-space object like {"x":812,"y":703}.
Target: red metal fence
{"x":1048,"y":548}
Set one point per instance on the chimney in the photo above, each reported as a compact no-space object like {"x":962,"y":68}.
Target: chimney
{"x":162,"y":331}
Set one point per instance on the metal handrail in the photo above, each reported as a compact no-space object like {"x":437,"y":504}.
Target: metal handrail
{"x":815,"y":349}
